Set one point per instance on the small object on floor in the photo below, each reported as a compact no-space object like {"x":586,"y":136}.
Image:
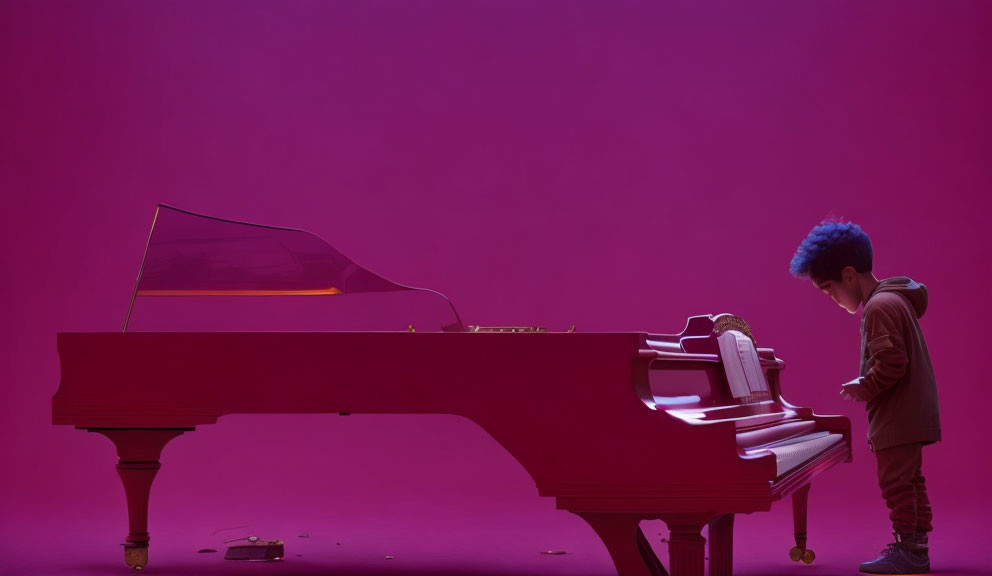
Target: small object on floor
{"x":248,"y":538}
{"x":554,"y":552}
{"x":389,"y":557}
{"x":214,"y":533}
{"x":304,"y":535}
{"x":206,"y":551}
{"x":338,"y":543}
{"x":256,"y":550}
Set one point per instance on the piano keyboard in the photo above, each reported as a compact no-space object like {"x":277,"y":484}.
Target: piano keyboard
{"x":792,"y":452}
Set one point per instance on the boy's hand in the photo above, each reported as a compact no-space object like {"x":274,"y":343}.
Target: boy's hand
{"x":853,"y":391}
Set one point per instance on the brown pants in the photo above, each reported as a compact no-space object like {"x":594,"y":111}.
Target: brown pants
{"x":901,"y":479}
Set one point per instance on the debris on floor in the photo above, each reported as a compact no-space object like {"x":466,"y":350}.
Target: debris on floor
{"x":255,"y":550}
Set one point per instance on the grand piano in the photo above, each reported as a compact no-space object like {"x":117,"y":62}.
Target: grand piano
{"x":619,"y":427}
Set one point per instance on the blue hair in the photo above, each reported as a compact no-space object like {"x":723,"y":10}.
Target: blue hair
{"x":829,"y":248}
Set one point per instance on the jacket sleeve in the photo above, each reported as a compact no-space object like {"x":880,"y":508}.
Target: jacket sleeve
{"x":887,"y":357}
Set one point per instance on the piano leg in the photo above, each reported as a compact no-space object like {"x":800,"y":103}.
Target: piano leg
{"x":800,"y":553}
{"x":631,"y":553}
{"x":686,"y":545}
{"x":138,"y":451}
{"x":722,"y":545}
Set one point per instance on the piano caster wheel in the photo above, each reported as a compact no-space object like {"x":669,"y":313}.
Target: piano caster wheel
{"x":135,"y":557}
{"x":806,"y":556}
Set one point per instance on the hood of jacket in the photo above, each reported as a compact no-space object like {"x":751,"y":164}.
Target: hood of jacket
{"x":908,"y":288}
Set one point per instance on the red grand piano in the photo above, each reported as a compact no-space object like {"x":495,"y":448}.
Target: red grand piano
{"x":690,"y":428}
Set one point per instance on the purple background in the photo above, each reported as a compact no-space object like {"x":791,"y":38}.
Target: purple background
{"x":619,"y":166}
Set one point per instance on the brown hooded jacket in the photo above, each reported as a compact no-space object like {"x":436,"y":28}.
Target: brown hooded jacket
{"x":896,"y":375}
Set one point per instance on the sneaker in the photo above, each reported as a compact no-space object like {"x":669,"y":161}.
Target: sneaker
{"x":899,"y":558}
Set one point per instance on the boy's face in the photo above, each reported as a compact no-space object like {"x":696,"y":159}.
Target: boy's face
{"x":844,"y":291}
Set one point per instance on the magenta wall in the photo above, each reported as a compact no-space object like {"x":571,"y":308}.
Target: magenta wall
{"x":617,"y":166}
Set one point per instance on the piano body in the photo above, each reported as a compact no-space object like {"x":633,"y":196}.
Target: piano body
{"x":618,"y":427}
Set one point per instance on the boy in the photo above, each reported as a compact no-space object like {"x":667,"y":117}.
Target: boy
{"x":896,"y":383}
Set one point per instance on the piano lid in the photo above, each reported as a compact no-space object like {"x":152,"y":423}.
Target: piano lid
{"x":191,"y":254}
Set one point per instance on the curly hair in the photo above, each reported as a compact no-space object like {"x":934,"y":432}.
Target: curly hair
{"x":829,"y":247}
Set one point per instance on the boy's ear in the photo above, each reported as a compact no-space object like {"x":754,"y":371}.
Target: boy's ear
{"x":849,"y":274}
